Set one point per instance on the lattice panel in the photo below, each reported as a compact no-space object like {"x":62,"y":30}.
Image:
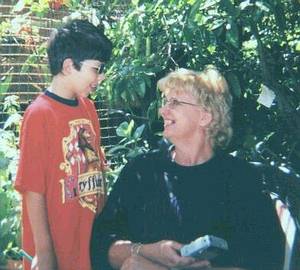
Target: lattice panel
{"x":23,"y":64}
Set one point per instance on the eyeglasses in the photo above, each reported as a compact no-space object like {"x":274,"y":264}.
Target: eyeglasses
{"x":173,"y":102}
{"x":99,"y":69}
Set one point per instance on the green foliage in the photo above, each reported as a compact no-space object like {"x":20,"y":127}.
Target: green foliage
{"x":254,"y":43}
{"x":4,"y":86}
{"x":130,"y":145}
{"x":9,"y":199}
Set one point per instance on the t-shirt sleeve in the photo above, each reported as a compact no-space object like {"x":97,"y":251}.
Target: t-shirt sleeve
{"x":31,"y":173}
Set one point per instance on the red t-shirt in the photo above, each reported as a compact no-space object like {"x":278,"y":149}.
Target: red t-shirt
{"x":60,"y":158}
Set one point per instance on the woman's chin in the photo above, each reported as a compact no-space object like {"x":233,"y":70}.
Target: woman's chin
{"x":167,"y":135}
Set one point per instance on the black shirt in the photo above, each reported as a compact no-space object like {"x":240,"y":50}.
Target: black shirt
{"x":156,"y":199}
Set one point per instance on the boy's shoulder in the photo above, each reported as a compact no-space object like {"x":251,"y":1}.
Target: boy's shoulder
{"x":40,"y":109}
{"x":86,"y":102}
{"x":41,"y":103}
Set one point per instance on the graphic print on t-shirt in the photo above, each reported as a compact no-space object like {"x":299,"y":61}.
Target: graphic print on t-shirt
{"x":83,"y":179}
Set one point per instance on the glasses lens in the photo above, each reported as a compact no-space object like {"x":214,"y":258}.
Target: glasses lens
{"x":101,"y":68}
{"x":174,"y":102}
{"x":164,"y":101}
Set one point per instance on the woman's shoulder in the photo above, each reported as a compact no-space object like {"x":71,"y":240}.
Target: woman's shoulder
{"x":237,"y":164}
{"x":240,"y":173}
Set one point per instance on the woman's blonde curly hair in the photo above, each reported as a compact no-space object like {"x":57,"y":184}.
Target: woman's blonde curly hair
{"x":211,"y":91}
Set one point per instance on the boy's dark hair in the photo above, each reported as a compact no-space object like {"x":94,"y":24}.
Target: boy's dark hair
{"x":79,"y":40}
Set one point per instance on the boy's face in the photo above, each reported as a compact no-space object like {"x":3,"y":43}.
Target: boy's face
{"x":87,"y":78}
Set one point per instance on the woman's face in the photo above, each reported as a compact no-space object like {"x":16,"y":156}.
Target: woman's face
{"x":182,"y":117}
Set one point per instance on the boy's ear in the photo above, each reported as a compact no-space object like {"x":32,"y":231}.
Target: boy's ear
{"x":67,"y":66}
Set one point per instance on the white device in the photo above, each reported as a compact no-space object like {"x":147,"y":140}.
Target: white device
{"x":205,"y":248}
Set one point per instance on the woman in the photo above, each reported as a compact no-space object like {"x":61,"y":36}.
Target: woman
{"x":162,"y":201}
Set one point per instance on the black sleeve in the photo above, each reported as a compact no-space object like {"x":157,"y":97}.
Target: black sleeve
{"x":257,"y":240}
{"x":111,"y":225}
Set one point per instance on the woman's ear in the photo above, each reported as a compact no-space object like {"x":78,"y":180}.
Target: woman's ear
{"x":67,"y":66}
{"x":205,"y":118}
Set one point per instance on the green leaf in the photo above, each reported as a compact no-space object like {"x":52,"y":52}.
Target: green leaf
{"x":5,"y":226}
{"x":19,"y":6}
{"x":148,"y":46}
{"x":138,"y":132}
{"x":194,"y":11}
{"x":297,"y":47}
{"x":125,"y":129}
{"x":246,"y":4}
{"x":232,"y":34}
{"x":211,"y":48}
{"x":141,"y":90}
{"x":207,"y":4}
{"x":13,"y":119}
{"x":5,"y":85}
{"x":234,"y":84}
{"x":134,"y":152}
{"x":4,"y":207}
{"x":218,"y":23}
{"x":152,"y":112}
{"x":11,"y":103}
{"x":130,"y":127}
{"x":115,"y":149}
{"x":263,"y":6}
{"x":122,"y":129}
{"x":229,"y":7}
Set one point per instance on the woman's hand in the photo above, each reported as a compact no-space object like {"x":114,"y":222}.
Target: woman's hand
{"x":136,"y":262}
{"x":166,"y":253}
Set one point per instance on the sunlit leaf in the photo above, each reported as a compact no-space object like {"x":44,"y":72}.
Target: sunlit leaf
{"x":232,"y":34}
{"x":297,"y":47}
{"x":122,"y":129}
{"x":19,"y":6}
{"x":13,"y":119}
{"x":5,"y":84}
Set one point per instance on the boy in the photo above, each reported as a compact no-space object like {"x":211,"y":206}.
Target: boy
{"x":59,"y":176}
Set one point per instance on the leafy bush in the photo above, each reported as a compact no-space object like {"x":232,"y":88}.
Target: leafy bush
{"x":9,"y":199}
{"x":254,"y":43}
{"x":130,"y":145}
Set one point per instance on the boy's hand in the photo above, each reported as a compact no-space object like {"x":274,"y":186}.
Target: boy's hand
{"x":34,"y":263}
{"x":45,"y":262}
{"x":45,"y":258}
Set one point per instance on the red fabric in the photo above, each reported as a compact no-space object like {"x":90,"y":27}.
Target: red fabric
{"x":60,"y":157}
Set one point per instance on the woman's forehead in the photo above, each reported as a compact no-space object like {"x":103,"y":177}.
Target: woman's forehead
{"x":175,"y":92}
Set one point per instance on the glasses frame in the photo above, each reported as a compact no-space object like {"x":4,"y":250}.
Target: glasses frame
{"x":99,"y":69}
{"x":173,"y":102}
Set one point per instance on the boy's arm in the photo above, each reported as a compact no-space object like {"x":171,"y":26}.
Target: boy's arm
{"x":37,"y":213}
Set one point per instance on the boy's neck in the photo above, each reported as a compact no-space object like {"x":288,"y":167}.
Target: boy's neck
{"x":61,"y":87}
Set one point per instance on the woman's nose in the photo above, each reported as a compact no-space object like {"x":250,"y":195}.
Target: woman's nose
{"x":163,"y":110}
